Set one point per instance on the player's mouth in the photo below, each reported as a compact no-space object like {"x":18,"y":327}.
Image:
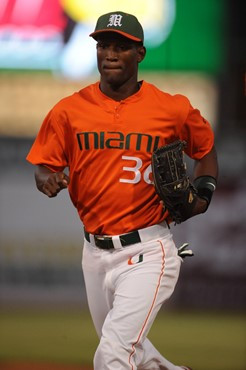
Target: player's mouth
{"x":111,"y":68}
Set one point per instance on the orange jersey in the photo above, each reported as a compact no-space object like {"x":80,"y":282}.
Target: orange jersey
{"x":108,"y":145}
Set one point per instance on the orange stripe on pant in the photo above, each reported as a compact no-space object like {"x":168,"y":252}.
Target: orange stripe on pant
{"x":152,"y":305}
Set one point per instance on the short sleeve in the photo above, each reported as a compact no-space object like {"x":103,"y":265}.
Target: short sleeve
{"x":198,"y":134}
{"x":49,"y":146}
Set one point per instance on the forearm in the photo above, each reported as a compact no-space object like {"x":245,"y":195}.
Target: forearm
{"x":207,"y":166}
{"x":42,"y":174}
{"x":205,"y":180}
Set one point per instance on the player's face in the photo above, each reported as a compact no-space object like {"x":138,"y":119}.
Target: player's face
{"x":118,"y":58}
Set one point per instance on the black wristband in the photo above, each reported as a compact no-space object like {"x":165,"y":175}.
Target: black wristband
{"x":205,"y":186}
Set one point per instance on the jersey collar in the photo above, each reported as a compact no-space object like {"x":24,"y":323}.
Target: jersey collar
{"x":131,"y":99}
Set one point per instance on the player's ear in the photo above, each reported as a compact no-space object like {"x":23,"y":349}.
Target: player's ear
{"x":141,"y":53}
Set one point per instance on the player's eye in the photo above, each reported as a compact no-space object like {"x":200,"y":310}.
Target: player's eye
{"x":101,"y":45}
{"x":124,"y":47}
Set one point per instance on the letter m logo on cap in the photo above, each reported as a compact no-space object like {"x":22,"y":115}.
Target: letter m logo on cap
{"x":115,"y":20}
{"x":123,"y":23}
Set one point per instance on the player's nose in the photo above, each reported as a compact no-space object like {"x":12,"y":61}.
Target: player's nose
{"x":112,"y":54}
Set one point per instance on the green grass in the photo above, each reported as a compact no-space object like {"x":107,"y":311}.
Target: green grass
{"x":201,"y":340}
{"x":63,"y":337}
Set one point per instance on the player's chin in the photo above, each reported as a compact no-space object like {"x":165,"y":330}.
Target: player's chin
{"x":114,"y":76}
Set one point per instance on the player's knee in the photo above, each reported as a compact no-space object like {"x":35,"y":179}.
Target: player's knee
{"x":113,"y":354}
{"x":101,"y":353}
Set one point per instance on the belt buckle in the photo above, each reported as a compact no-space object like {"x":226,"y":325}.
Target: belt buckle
{"x":104,"y":242}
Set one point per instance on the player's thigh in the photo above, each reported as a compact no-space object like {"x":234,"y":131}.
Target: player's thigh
{"x":141,"y":289}
{"x":97,"y":298}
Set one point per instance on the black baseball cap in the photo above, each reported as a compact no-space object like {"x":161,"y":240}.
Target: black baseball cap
{"x":125,"y":24}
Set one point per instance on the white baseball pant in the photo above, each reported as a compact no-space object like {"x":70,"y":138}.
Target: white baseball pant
{"x":126,"y":288}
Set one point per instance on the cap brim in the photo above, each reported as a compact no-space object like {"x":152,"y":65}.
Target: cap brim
{"x":96,"y":33}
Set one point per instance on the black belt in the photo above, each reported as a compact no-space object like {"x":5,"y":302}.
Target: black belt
{"x":106,"y":242}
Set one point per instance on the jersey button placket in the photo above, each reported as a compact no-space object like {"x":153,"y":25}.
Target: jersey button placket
{"x":117,"y":113}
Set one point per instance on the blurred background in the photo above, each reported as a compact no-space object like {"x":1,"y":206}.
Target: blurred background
{"x":194,"y":47}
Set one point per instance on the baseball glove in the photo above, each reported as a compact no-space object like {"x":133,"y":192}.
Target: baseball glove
{"x":171,"y":181}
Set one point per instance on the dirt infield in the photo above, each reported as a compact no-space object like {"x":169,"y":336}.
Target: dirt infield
{"x":33,"y":366}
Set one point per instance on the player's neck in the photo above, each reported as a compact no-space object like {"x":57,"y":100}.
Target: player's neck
{"x":119,"y":92}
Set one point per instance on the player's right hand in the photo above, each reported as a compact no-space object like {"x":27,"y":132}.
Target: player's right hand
{"x":54,"y":183}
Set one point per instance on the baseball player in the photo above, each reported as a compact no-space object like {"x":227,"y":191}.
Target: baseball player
{"x":106,"y":134}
